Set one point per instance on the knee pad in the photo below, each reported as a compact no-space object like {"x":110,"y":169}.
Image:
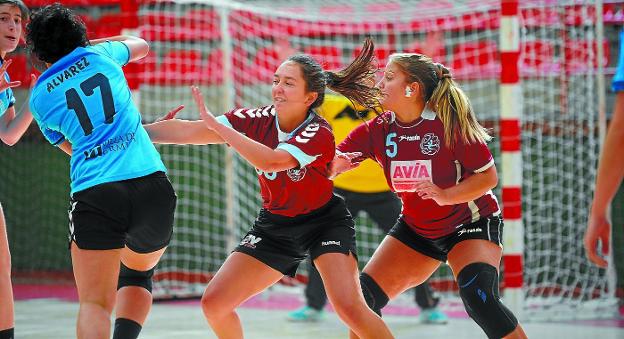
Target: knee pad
{"x":130,"y":277}
{"x":375,"y":297}
{"x":478,"y":289}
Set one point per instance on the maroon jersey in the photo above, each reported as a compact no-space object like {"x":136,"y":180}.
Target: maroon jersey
{"x":297,"y":190}
{"x":417,"y":152}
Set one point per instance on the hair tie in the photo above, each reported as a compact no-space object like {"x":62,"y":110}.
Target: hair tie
{"x":442,"y":72}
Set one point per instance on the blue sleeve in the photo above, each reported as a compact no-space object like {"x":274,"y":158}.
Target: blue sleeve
{"x":223,"y":120}
{"x":9,"y":92}
{"x":10,"y":97}
{"x":618,"y":79}
{"x":297,"y":153}
{"x":53,"y":137}
{"x":116,"y":50}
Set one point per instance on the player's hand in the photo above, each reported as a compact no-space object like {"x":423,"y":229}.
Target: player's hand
{"x":343,"y":162}
{"x":171,"y":114}
{"x":206,"y":115}
{"x":598,"y":229}
{"x":428,"y":190}
{"x":4,"y":85}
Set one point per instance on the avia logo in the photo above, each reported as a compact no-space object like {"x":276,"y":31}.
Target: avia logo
{"x":411,"y":170}
{"x":250,"y":241}
{"x":409,"y":138}
{"x":330,"y":242}
{"x":93,"y":153}
{"x":308,"y":133}
{"x":405,"y":175}
{"x":469,"y":230}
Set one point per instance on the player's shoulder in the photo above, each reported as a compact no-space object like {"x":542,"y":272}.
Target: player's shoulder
{"x":382,"y":120}
{"x":320,"y":120}
{"x":253,"y":113}
{"x":316,"y":128}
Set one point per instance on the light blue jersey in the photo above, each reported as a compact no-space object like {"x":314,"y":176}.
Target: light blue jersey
{"x":6,"y":97}
{"x":618,"y":79}
{"x":84,"y":98}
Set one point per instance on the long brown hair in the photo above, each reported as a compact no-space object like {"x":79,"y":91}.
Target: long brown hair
{"x":356,"y":81}
{"x":443,"y":96}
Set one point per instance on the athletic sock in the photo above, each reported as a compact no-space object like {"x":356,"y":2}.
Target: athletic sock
{"x":6,"y":334}
{"x":126,"y":329}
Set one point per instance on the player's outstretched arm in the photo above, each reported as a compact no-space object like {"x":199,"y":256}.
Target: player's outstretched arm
{"x":12,"y":124}
{"x":258,"y":155}
{"x":137,"y":46}
{"x":608,"y":179}
{"x":343,"y":162}
{"x":168,"y":130}
{"x":182,"y":132}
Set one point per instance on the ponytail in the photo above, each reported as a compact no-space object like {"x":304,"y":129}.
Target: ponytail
{"x":443,"y":96}
{"x":455,"y":111}
{"x":357,"y":81}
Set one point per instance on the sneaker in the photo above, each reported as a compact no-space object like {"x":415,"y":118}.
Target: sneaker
{"x":433,"y":316}
{"x":306,"y":314}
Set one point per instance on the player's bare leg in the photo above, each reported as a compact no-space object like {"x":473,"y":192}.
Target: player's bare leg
{"x":341,"y":280}
{"x":395,"y":267}
{"x":135,"y":302}
{"x":96,"y":273}
{"x":240,"y":278}
{"x":7,"y":320}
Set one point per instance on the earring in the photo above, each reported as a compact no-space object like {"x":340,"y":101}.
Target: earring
{"x":408,"y":92}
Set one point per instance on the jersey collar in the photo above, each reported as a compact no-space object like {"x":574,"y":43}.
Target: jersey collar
{"x":283,"y":136}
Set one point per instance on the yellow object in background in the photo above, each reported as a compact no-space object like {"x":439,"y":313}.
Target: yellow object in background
{"x":343,"y":117}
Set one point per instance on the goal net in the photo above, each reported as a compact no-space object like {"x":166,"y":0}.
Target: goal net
{"x":231,"y":49}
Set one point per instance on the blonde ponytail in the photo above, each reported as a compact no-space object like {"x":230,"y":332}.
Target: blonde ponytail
{"x":444,"y":97}
{"x":455,"y":111}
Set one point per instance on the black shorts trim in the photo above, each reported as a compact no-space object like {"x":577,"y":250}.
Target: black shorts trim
{"x":488,"y":228}
{"x":282,"y":243}
{"x":137,"y":213}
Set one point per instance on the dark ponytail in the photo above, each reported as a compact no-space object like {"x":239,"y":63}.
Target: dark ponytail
{"x":356,"y":81}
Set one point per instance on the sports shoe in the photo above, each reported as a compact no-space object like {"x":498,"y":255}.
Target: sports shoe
{"x":433,"y":316}
{"x":306,"y":314}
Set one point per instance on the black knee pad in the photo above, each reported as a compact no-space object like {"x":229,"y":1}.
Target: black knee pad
{"x":375,"y":297}
{"x":130,"y":277}
{"x":478,"y":288}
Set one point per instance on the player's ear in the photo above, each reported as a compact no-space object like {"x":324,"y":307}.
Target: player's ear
{"x":310,"y":98}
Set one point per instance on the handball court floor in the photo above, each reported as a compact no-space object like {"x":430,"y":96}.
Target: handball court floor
{"x":44,"y":312}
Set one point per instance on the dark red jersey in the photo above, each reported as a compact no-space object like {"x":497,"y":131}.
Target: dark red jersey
{"x":298,"y":190}
{"x":417,"y":152}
